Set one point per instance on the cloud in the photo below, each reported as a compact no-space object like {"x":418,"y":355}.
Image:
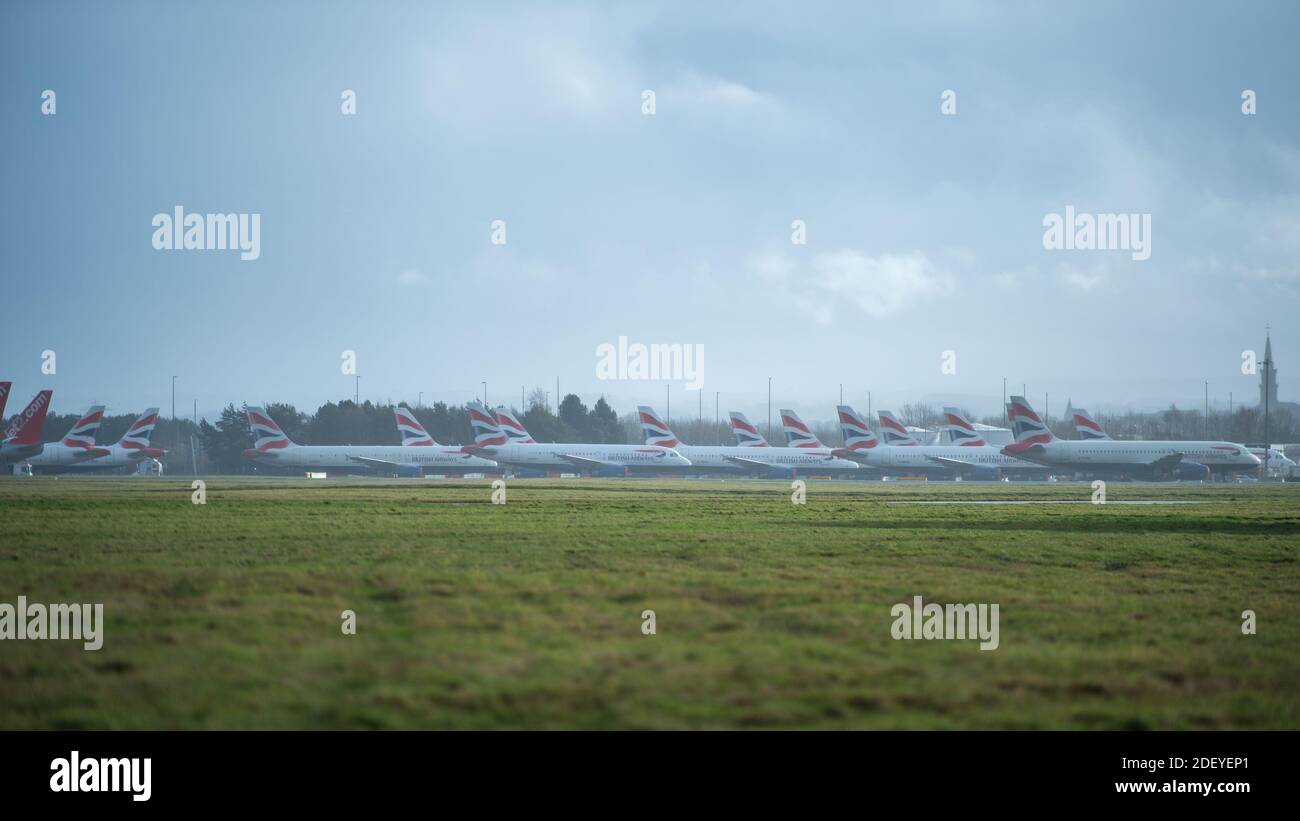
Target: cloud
{"x":1083,"y":281}
{"x":879,"y":286}
{"x":410,"y":277}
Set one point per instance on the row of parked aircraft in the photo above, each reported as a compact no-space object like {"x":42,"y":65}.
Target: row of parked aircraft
{"x":501,"y":442}
{"x":22,"y":443}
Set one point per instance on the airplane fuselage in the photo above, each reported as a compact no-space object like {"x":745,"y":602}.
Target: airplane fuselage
{"x":345,"y":457}
{"x":1139,"y":457}
{"x":582,"y":458}
{"x":930,"y":459}
{"x":738,"y":459}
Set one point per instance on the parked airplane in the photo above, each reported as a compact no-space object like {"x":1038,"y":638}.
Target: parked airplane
{"x":22,"y":437}
{"x":131,"y":449}
{"x":765,"y":461}
{"x":76,"y":447}
{"x":4,"y":397}
{"x":1120,"y":458}
{"x":971,"y":459}
{"x":1219,"y":457}
{"x":492,"y":441}
{"x":272,"y":447}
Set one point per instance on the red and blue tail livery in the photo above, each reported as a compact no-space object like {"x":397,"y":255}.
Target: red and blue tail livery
{"x":267,"y":435}
{"x":1028,"y":427}
{"x":797,"y":433}
{"x":960,"y":430}
{"x":510,"y":425}
{"x":747,"y":436}
{"x":894,"y":432}
{"x":857,"y":434}
{"x":655,"y":429}
{"x":413,"y":433}
{"x":487,"y":433}
{"x":1087,"y":427}
{"x":82,"y":434}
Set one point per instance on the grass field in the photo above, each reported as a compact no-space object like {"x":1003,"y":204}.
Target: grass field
{"x":528,"y":614}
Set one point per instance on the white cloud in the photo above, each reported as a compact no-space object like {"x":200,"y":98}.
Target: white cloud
{"x":879,"y":286}
{"x":1083,"y":281}
{"x":410,"y":277}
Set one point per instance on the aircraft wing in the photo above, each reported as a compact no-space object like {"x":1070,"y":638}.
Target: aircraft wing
{"x":371,"y":462}
{"x":1166,"y":461}
{"x":751,"y":464}
{"x":955,"y":464}
{"x":584,"y":463}
{"x":851,"y":455}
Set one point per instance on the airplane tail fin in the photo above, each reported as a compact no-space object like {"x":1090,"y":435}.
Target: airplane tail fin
{"x":4,"y":397}
{"x":487,"y":433}
{"x":1026,"y":424}
{"x":656,"y":431}
{"x":82,"y":434}
{"x":960,"y":430}
{"x":798,"y":434}
{"x":1087,"y":427}
{"x":516,"y":433}
{"x":747,"y":436}
{"x":857,"y":434}
{"x":413,"y":433}
{"x":26,"y":427}
{"x":138,"y":435}
{"x":895,"y":432}
{"x":267,"y":435}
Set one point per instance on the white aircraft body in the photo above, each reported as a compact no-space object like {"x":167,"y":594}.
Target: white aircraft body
{"x":971,"y":458}
{"x":271,"y":446}
{"x":491,"y":440}
{"x":132,"y":449}
{"x":77,"y":447}
{"x":751,"y":459}
{"x":1122,"y":458}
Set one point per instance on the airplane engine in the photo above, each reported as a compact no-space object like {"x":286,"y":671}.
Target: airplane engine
{"x":411,"y":471}
{"x":1192,"y":471}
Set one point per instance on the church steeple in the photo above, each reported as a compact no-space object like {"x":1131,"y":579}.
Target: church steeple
{"x":1268,"y":374}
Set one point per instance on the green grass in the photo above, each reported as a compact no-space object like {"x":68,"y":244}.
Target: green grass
{"x":473,"y":615}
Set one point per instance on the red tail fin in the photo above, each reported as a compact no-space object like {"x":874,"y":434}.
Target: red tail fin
{"x":27,"y":426}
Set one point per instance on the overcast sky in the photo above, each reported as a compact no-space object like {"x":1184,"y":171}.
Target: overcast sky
{"x":924,"y":230}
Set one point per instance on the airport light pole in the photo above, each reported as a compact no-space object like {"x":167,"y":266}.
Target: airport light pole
{"x":717,"y":430}
{"x":1268,"y":383}
{"x":1205,"y":425}
{"x":177,"y":433}
{"x":769,"y":408}
{"x":419,"y":401}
